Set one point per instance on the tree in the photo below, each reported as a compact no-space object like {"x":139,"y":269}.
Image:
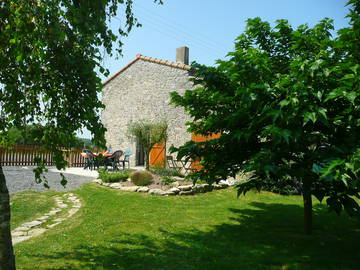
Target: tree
{"x":287,"y":103}
{"x":34,"y":135}
{"x":49,"y":51}
{"x":148,"y":134}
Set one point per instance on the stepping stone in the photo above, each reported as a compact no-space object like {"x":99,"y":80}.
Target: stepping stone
{"x":18,"y":233}
{"x":62,"y":205}
{"x":19,"y":239}
{"x":53,"y":225}
{"x":22,"y":228}
{"x":43,"y":217}
{"x":36,"y":232}
{"x":72,"y":211}
{"x":32,"y":224}
{"x":54,"y":212}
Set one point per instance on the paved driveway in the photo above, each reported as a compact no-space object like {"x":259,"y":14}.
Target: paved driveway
{"x":22,"y":178}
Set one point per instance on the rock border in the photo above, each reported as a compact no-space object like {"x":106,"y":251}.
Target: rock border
{"x":179,"y":190}
{"x":67,"y":203}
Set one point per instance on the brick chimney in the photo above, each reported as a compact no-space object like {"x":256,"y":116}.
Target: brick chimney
{"x":182,"y":55}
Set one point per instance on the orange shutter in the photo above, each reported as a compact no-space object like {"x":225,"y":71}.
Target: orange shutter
{"x":157,"y":155}
{"x":200,"y":138}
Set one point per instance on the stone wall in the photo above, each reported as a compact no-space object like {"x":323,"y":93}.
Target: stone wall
{"x":142,"y":92}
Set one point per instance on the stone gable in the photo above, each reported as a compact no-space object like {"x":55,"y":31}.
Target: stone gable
{"x":142,"y":91}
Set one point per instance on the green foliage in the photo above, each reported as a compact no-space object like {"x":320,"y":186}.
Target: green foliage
{"x":112,"y":177}
{"x":141,"y":178}
{"x":287,"y":102}
{"x":166,"y":172}
{"x":148,"y":133}
{"x":167,"y":180}
{"x":34,"y":135}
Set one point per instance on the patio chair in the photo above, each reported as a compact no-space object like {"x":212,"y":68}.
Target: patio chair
{"x":113,"y":160}
{"x":172,"y":164}
{"x":90,"y":157}
{"x":126,"y":159}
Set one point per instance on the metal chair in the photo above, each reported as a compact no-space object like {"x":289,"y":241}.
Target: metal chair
{"x":126,"y":159}
{"x":172,"y":164}
{"x":113,"y":160}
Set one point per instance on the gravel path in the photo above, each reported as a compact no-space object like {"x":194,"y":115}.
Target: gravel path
{"x":22,"y":178}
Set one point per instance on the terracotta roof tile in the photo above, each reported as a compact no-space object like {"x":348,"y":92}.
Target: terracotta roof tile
{"x":150,"y":59}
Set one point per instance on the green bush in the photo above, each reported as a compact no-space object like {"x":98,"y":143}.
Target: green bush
{"x":167,"y":180}
{"x":112,"y":177}
{"x":166,"y":172}
{"x":141,"y":178}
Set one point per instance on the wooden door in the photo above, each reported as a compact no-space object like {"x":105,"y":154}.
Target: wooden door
{"x":157,"y":155}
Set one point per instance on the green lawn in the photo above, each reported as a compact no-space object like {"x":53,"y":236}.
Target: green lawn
{"x":27,"y":205}
{"x":118,"y":230}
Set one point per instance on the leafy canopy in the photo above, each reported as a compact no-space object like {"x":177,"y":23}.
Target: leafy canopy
{"x":49,"y":53}
{"x":287,"y":102}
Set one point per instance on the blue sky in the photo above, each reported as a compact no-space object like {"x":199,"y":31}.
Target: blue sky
{"x":209,"y":27}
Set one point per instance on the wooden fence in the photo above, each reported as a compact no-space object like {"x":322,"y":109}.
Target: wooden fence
{"x":25,"y":155}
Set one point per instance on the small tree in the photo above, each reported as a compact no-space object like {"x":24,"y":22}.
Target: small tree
{"x":49,"y":51}
{"x":288,"y":105}
{"x":148,"y":134}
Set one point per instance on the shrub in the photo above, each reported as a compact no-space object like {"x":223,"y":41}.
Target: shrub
{"x":167,"y":180}
{"x":112,"y":177}
{"x":166,"y":172}
{"x":141,"y":178}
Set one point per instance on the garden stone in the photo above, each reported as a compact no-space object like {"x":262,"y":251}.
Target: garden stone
{"x":174,"y":190}
{"x":216,"y":186}
{"x":157,"y":191}
{"x":171,"y":193}
{"x":224,"y":183}
{"x":115,"y":185}
{"x":178,"y":178}
{"x":135,"y":188}
{"x":175,"y":184}
{"x":97,"y":181}
{"x":188,"y":192}
{"x":143,"y":189}
{"x":185,"y":188}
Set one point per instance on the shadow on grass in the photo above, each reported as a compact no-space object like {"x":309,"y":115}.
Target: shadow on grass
{"x":268,"y":236}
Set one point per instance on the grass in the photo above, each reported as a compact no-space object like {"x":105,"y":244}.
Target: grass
{"x":27,"y":205}
{"x":118,"y":230}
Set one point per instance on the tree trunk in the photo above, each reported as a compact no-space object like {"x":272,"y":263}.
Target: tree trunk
{"x":147,"y":160}
{"x":307,"y":206}
{"x":7,"y":258}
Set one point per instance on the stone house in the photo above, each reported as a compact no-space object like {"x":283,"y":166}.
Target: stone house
{"x":141,"y":90}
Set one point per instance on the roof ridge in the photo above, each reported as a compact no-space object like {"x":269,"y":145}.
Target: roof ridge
{"x":163,"y":62}
{"x":150,"y":59}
